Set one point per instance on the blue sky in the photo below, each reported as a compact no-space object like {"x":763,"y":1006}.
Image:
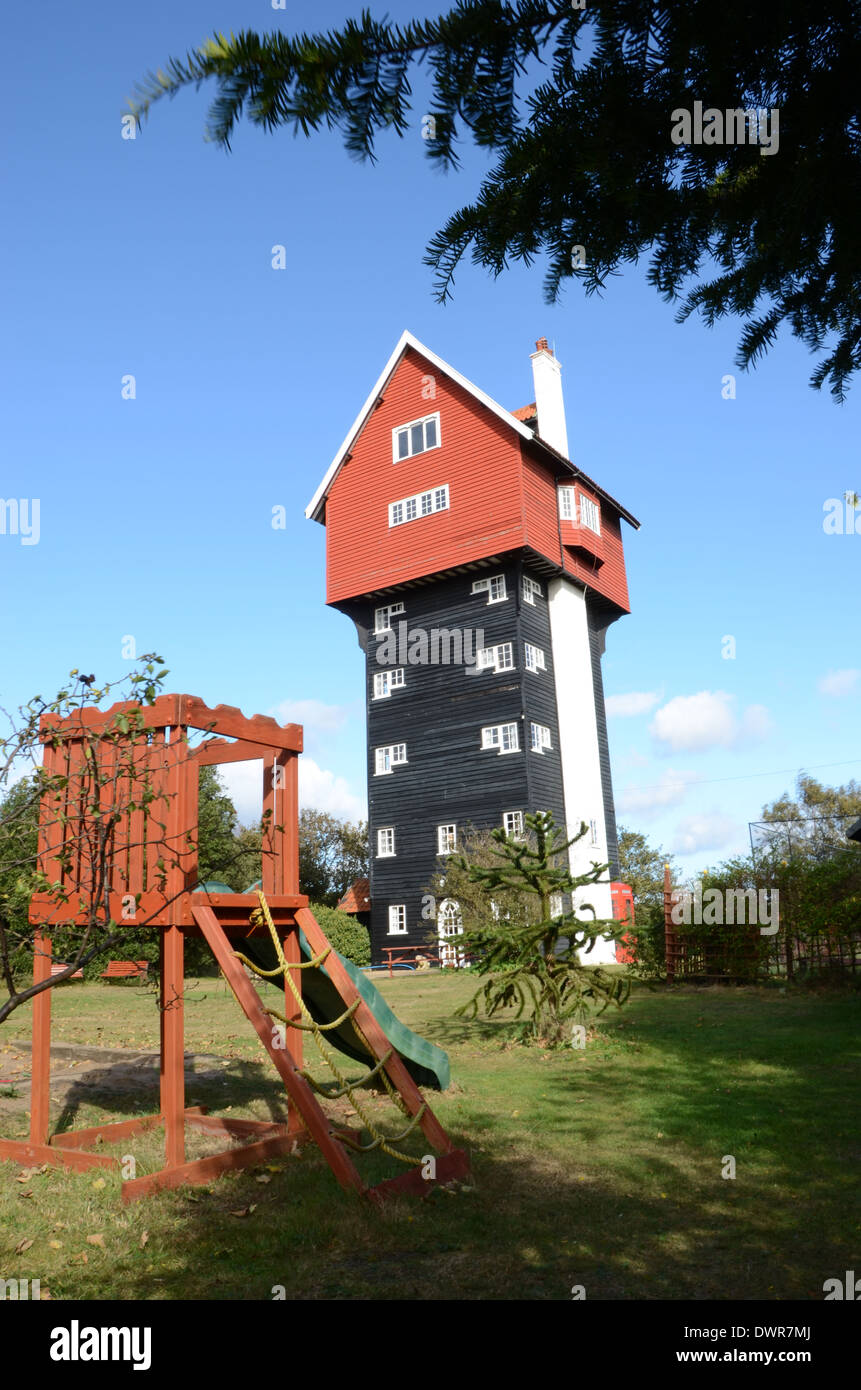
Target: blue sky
{"x":152,"y":257}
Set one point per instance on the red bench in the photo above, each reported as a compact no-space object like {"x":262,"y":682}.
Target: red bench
{"x":57,"y":969}
{"x":125,"y":970}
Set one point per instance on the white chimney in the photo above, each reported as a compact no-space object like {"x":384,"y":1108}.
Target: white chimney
{"x":549,"y":405}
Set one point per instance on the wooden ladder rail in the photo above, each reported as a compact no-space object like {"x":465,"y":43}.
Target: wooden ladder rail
{"x":374,"y":1035}
{"x":298,"y":1089}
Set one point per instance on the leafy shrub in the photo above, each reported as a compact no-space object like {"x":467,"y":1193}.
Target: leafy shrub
{"x":348,"y":936}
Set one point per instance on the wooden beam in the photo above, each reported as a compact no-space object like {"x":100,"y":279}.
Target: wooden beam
{"x":31,"y":1155}
{"x":412,"y":1184}
{"x":40,"y":1072}
{"x":120,"y":1129}
{"x":205,"y":1169}
{"x":298,"y":1088}
{"x":172,"y":1049}
{"x":230,"y":721}
{"x":377,"y":1040}
{"x":219,"y":750}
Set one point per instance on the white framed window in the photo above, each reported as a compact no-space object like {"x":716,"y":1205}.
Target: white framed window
{"x":499,"y":658}
{"x":567,"y":498}
{"x":534,"y":658}
{"x":387,"y":681}
{"x":449,"y":924}
{"x":540,"y":737}
{"x":386,"y":842}
{"x":590,"y":514}
{"x":385,"y":759}
{"x":383,"y":616}
{"x":531,"y":590}
{"x":493,"y":586}
{"x":593,"y":831}
{"x":555,"y":904}
{"x":502,"y":737}
{"x":397,"y":919}
{"x":512,"y":823}
{"x":422,"y":504}
{"x":416,"y":438}
{"x":446,"y":839}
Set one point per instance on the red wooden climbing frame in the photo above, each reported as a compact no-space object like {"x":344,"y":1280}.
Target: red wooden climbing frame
{"x":147,"y":774}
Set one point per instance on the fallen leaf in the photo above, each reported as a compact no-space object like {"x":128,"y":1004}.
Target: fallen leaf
{"x":81,"y":1259}
{"x":246,"y":1211}
{"x":144,"y":1239}
{"x":26,"y":1194}
{"x":25,"y":1245}
{"x":55,"y":1244}
{"x":263,"y":1177}
{"x":45,"y":1295}
{"x":100,"y":1182}
{"x":96,"y":1240}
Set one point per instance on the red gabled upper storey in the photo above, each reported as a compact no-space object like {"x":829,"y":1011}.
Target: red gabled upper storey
{"x":500,"y":484}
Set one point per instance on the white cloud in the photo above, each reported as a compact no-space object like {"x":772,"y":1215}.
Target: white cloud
{"x":318,"y":720}
{"x":839,"y":682}
{"x":669,"y":791}
{"x":326,"y":791}
{"x":694,"y":723}
{"x":705,"y":832}
{"x":318,"y":787}
{"x":637,"y":702}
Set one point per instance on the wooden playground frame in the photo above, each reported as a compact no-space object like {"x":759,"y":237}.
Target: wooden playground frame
{"x":152,"y":873}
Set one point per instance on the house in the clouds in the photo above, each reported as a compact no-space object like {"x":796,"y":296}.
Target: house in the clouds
{"x":482,"y":569}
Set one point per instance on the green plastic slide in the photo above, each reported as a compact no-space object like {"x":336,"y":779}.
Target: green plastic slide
{"x":426,"y":1063}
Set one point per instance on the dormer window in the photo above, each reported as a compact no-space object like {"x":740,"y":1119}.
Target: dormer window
{"x":415,"y":438}
{"x":590,"y":515}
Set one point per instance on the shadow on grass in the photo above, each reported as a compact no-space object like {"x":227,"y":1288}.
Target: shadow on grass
{"x":126,"y":1088}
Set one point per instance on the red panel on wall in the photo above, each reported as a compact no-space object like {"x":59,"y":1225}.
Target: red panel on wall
{"x":501,"y":496}
{"x":479,"y":459}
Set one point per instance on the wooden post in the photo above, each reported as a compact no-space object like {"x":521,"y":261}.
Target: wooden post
{"x":40,"y":1079}
{"x":171,"y":956}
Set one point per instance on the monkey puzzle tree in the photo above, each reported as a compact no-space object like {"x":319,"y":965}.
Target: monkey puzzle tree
{"x":589,"y":172}
{"x":533,"y":965}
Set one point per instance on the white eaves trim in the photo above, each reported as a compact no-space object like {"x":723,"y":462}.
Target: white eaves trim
{"x":406,"y":340}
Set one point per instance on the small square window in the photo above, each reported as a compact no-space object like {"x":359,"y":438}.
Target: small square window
{"x":512,"y":823}
{"x":383,"y":617}
{"x":567,"y":503}
{"x":540,"y":737}
{"x":415,"y":438}
{"x":446,"y":839}
{"x":531,"y":590}
{"x":494,"y":587}
{"x":386,"y":842}
{"x":397,"y":919}
{"x":534,"y":658}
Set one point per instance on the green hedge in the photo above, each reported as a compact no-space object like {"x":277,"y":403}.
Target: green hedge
{"x":348,"y":936}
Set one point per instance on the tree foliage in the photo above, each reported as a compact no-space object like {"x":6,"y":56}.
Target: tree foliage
{"x":533,"y":965}
{"x":86,"y":824}
{"x":333,"y":853}
{"x":585,"y":157}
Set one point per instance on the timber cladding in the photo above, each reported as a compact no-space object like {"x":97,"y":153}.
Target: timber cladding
{"x":439,"y":713}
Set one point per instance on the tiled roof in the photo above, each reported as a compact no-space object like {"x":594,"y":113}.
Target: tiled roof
{"x":526,"y":412}
{"x":357,"y":898}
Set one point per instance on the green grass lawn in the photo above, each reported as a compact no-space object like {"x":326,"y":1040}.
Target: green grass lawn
{"x":599,"y":1167}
